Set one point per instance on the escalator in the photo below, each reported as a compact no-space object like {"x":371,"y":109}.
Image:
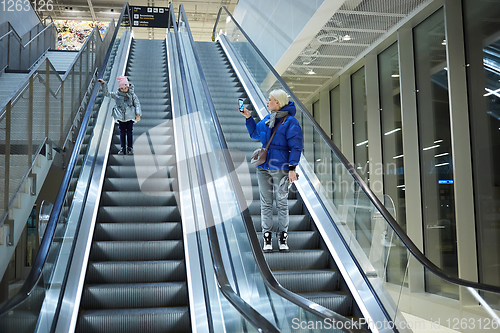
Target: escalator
{"x":136,"y":277}
{"x":308,"y":269}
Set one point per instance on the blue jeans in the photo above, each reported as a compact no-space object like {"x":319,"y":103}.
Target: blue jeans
{"x":268,"y":188}
{"x":126,"y":131}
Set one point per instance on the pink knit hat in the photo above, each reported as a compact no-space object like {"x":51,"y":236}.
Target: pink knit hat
{"x":122,"y":81}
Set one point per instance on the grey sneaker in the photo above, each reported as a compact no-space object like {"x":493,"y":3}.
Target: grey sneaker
{"x":130,"y":151}
{"x":268,"y":245}
{"x":121,"y":152}
{"x":282,"y":242}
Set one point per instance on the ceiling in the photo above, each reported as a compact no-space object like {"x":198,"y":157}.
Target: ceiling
{"x":353,"y":28}
{"x":201,"y":14}
{"x":348,"y":32}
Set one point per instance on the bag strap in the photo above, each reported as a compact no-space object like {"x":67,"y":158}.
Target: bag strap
{"x":272,"y":136}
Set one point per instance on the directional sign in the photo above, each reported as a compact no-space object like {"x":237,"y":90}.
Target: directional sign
{"x":149,"y":17}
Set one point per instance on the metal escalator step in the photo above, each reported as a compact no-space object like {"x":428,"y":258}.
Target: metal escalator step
{"x":335,"y":301}
{"x":137,"y":295}
{"x":158,"y":135}
{"x":137,"y":250}
{"x":154,"y":89}
{"x":317,"y":280}
{"x":146,"y":149}
{"x":109,"y":231}
{"x":159,"y":161}
{"x":22,"y":321}
{"x":131,"y":185}
{"x":297,"y":260}
{"x":139,"y":214}
{"x":150,"y":320}
{"x":129,"y":171}
{"x":297,"y":240}
{"x":136,"y":271}
{"x":145,"y":83}
{"x":161,"y":97}
{"x":119,"y":198}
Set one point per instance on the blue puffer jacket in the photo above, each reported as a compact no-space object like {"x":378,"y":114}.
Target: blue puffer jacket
{"x":127,"y":105}
{"x":286,"y":147}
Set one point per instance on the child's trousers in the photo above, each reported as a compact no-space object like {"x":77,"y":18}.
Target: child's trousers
{"x":126,"y":132}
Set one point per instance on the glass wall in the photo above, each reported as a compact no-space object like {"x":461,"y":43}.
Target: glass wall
{"x":392,"y":156}
{"x":360,"y":123}
{"x":482,"y":41}
{"x":438,"y":202}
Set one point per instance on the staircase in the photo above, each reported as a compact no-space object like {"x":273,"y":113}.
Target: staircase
{"x":136,"y":276}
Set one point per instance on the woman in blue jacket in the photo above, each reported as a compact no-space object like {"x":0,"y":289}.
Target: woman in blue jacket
{"x":283,"y":156}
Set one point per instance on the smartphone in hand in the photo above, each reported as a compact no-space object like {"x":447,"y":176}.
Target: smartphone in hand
{"x":240,"y":104}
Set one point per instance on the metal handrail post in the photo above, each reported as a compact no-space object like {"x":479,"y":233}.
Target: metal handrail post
{"x":7,"y":160}
{"x":8,"y":47}
{"x":73,"y":93}
{"x":47,"y":96}
{"x":80,"y":72}
{"x":61,"y":128}
{"x":30,"y":121}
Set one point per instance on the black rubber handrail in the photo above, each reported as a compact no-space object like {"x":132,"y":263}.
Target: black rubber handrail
{"x":414,"y":250}
{"x":36,"y":270}
{"x":269,"y":278}
{"x":249,"y":313}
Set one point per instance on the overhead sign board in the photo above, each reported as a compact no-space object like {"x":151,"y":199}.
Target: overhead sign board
{"x":149,"y":17}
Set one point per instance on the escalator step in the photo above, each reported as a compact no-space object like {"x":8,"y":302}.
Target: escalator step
{"x":318,"y":280}
{"x":137,"y":295}
{"x":139,"y":214}
{"x":154,"y":320}
{"x":297,"y":260}
{"x":136,"y":271}
{"x":137,"y":231}
{"x":136,"y":250}
{"x":335,"y":301}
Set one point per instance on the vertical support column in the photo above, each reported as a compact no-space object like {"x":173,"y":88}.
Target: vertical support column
{"x":30,"y":136}
{"x":346,"y":117}
{"x":87,"y":75}
{"x":461,"y":146}
{"x":411,"y":158}
{"x":61,"y":128}
{"x":8,"y":128}
{"x":80,"y":87}
{"x":73,"y":94}
{"x":324,"y":111}
{"x":47,"y":97}
{"x":8,"y":44}
{"x":376,"y":166}
{"x":30,"y":121}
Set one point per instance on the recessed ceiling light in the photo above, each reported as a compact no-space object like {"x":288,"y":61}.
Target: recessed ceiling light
{"x":311,"y":72}
{"x":347,"y":37}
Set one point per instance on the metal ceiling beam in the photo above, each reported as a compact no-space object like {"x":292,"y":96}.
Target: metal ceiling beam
{"x":355,"y":12}
{"x":91,"y":10}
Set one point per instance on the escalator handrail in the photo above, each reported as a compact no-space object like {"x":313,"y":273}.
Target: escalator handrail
{"x":249,"y":313}
{"x":268,"y":277}
{"x":36,"y":270}
{"x":414,"y":250}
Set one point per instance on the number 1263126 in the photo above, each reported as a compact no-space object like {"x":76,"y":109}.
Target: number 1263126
{"x":26,"y":5}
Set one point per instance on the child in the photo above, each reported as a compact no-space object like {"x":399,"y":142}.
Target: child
{"x":126,"y":111}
